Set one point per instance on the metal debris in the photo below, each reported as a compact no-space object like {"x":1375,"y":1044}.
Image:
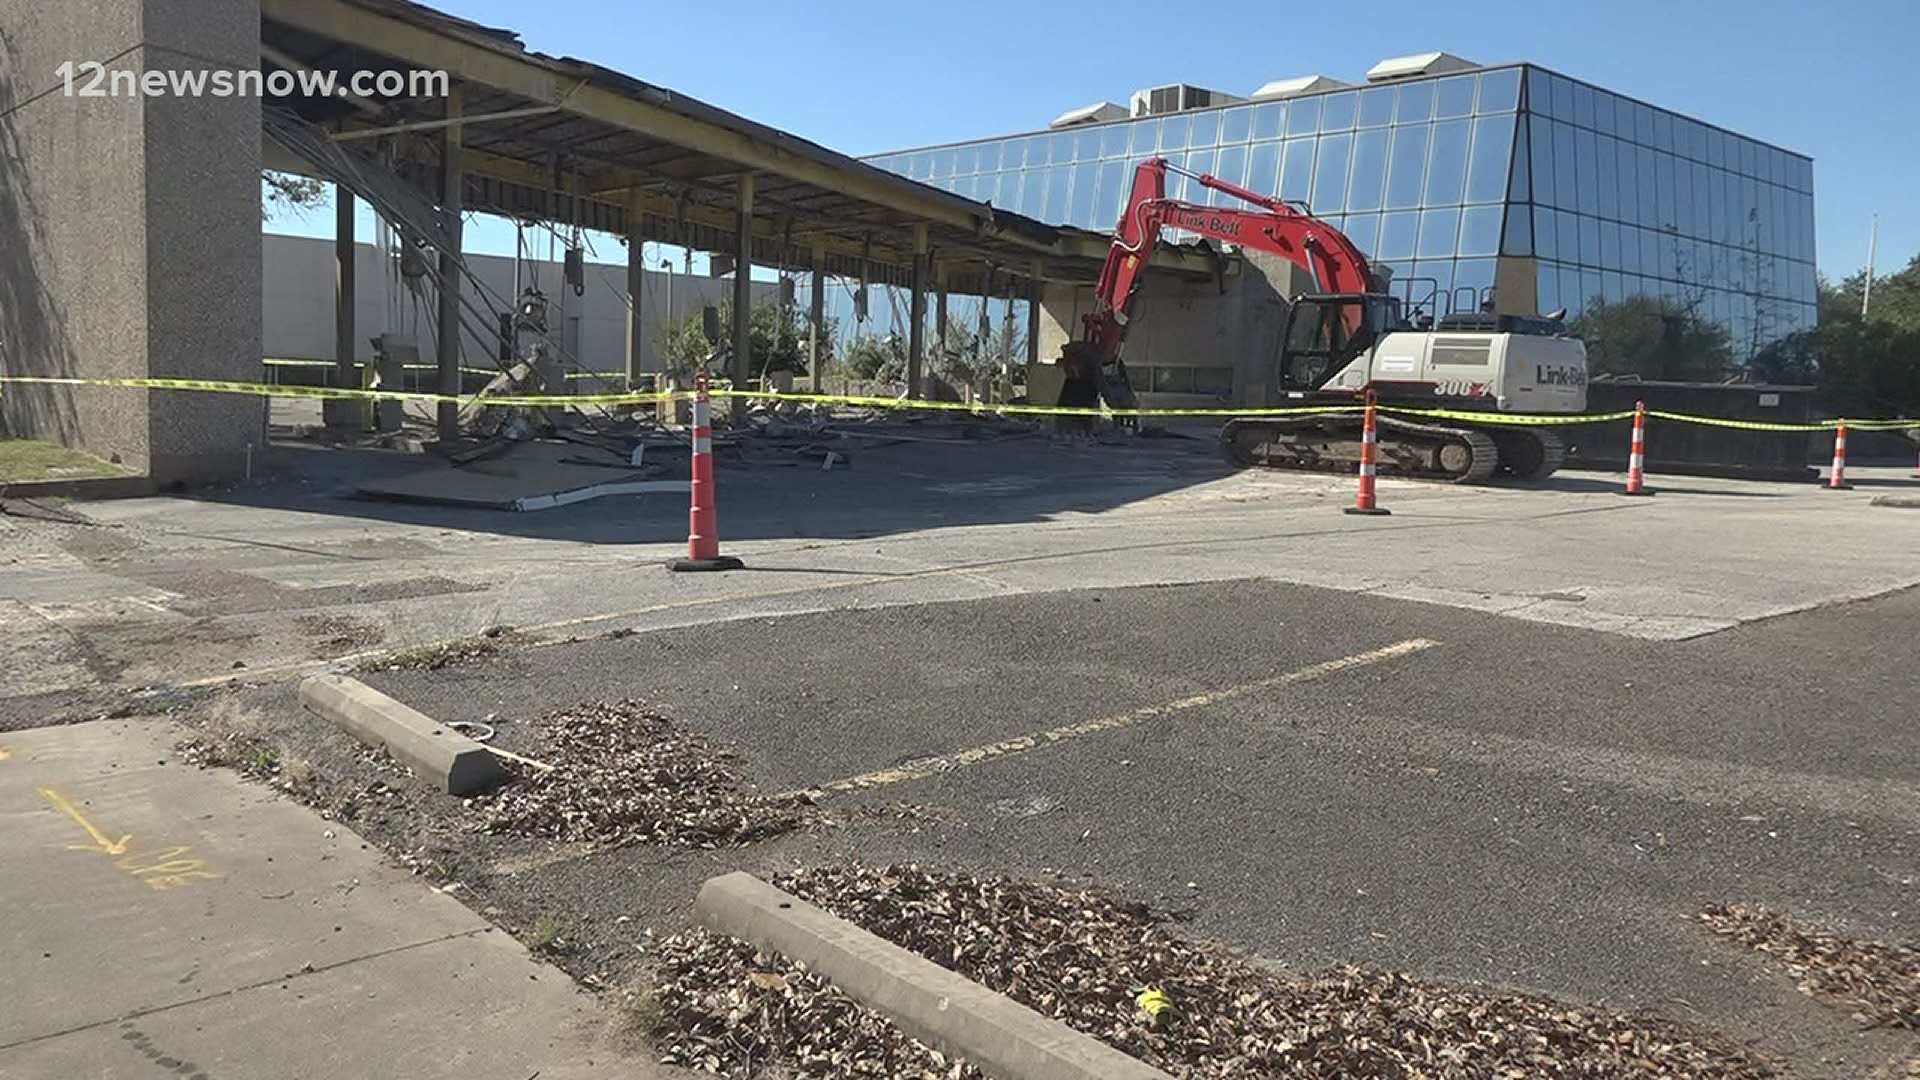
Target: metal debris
{"x":1091,"y":960}
{"x":1879,"y":982}
{"x":623,"y":774}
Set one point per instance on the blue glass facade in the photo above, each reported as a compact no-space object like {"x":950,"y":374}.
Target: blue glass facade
{"x":1588,"y":196}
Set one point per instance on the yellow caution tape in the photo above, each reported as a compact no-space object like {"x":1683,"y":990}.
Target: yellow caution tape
{"x":1153,"y":1001}
{"x":661,"y":397}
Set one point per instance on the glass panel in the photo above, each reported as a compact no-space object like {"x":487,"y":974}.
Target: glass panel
{"x":1606,"y":177}
{"x":1566,"y":183}
{"x":1336,"y":111}
{"x":1500,"y":90}
{"x":1652,"y":263}
{"x":1663,"y":190}
{"x":1232,"y":166}
{"x":1376,"y":107}
{"x":1699,"y":178}
{"x":1330,"y":174}
{"x":1609,"y":245}
{"x":1628,"y":188}
{"x":1364,"y":231}
{"x":1583,"y":105}
{"x":1590,"y":240}
{"x":1603,"y":120}
{"x":1717,"y":148}
{"x":1399,"y":233}
{"x":1453,"y":97}
{"x":1643,"y":123}
{"x":1480,"y":230}
{"x":1591,"y":292}
{"x":1570,"y":290}
{"x":1263,"y":172}
{"x":1236,"y":125}
{"x":1447,"y":163}
{"x":1648,"y":171}
{"x":1475,"y":275}
{"x":1433,"y":282}
{"x":1613,"y":287}
{"x":1518,"y":239}
{"x":1206,"y":129}
{"x":1031,"y":203}
{"x":1414,"y":103}
{"x":1058,"y":179}
{"x":1408,"y":170}
{"x":1566,"y":228}
{"x":1173,"y":131}
{"x":1296,"y":171}
{"x":1081,"y":208}
{"x":1007,"y":193}
{"x":1539,"y":92}
{"x":966,"y":160}
{"x":1562,"y":99}
{"x":1492,"y":148}
{"x":1541,"y":132}
{"x":1200,"y":162}
{"x":1086,"y":145}
{"x":1683,"y":196}
{"x":1586,"y":173}
{"x":1548,"y":288}
{"x":1269,"y":120}
{"x":1696,"y":140}
{"x":1544,"y":233}
{"x":1060,"y":149}
{"x":1303,"y":116}
{"x":1113,"y":140}
{"x":1519,"y":189}
{"x":920,"y":165}
{"x":1114,"y":188}
{"x":1146,"y":138}
{"x":1662,"y":130}
{"x":1369,"y":170}
{"x":989,"y":158}
{"x":1749,"y":154}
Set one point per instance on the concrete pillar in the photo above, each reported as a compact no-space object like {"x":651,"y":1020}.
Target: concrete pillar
{"x":449,"y":322}
{"x":743,"y":293}
{"x":343,"y":414}
{"x":130,"y":235}
{"x":636,"y":288}
{"x":1034,"y":289}
{"x":817,"y":321}
{"x":917,"y":332}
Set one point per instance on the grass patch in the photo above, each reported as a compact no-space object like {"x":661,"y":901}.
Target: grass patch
{"x":25,"y":459}
{"x":544,"y":935}
{"x":434,"y":655}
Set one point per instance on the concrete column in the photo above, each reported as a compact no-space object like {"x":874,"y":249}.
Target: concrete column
{"x":743,"y":293}
{"x":817,"y":320}
{"x":130,"y":235}
{"x":449,"y":322}
{"x":1034,"y":290}
{"x":917,"y":332}
{"x":636,"y":287}
{"x":343,"y":414}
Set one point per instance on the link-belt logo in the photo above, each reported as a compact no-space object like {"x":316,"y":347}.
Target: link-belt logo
{"x":1559,"y":374}
{"x":1214,"y":223}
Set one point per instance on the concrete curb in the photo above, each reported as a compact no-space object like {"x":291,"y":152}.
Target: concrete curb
{"x":448,"y":759}
{"x":1005,"y":1039}
{"x":1904,"y":502}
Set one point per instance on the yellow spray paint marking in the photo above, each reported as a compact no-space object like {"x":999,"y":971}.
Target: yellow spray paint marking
{"x":167,"y":868}
{"x":925,"y":767}
{"x":5,"y":753}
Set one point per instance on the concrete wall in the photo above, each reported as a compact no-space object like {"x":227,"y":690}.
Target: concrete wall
{"x":296,"y":302}
{"x":1195,"y":324}
{"x":128,"y":233}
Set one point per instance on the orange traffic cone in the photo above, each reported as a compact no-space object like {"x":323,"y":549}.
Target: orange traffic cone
{"x":1838,"y":480}
{"x":703,"y":521}
{"x":1364,"y":502}
{"x":1637,"y":456}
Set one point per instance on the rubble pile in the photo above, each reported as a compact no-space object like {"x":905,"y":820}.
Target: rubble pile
{"x":1115,"y":970}
{"x":1880,"y":983}
{"x":623,"y":774}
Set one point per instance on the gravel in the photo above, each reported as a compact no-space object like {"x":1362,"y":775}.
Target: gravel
{"x":622,"y":774}
{"x":1878,"y":982}
{"x":1116,"y":970}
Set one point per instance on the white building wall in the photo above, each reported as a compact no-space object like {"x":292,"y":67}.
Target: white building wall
{"x":296,"y":297}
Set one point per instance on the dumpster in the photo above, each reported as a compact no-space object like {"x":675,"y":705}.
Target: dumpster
{"x":1699,"y":449}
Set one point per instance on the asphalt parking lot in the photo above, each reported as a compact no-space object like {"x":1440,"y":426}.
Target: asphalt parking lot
{"x":1312,"y":776}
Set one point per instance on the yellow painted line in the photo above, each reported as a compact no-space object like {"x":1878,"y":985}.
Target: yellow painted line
{"x":100,"y":841}
{"x":943,"y":763}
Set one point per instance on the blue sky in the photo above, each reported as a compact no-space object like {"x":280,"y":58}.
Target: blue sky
{"x":1835,"y":81}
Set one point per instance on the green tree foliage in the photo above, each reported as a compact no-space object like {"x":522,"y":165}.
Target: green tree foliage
{"x":1864,"y":365}
{"x":877,"y":359}
{"x":779,"y":336}
{"x":1654,"y":339}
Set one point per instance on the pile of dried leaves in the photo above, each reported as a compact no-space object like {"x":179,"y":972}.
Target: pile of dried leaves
{"x":1084,"y":957}
{"x":1879,"y":982}
{"x":622,"y":774}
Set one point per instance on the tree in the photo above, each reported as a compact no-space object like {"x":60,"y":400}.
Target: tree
{"x":1863,"y":365}
{"x":877,"y":359}
{"x":286,"y":192}
{"x":1653,"y":338}
{"x":778,"y":335}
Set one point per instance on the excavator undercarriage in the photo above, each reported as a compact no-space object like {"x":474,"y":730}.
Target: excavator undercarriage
{"x":1330,"y":443}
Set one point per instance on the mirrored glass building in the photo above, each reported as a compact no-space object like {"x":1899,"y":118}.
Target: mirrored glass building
{"x":1560,"y":193}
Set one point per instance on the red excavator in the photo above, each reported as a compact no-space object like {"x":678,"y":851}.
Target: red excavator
{"x":1346,"y":338}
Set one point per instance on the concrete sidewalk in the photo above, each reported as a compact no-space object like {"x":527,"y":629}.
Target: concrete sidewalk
{"x":165,"y":920}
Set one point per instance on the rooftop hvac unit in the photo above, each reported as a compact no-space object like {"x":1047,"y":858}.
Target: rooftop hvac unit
{"x":1300,"y":84}
{"x":1408,"y":67}
{"x":1178,"y":97}
{"x":1097,"y":113}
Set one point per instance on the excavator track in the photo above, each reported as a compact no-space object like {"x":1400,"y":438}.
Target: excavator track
{"x":1331,"y":444}
{"x":1529,"y":453}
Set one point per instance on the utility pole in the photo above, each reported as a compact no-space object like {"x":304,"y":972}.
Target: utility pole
{"x":1873,"y":241}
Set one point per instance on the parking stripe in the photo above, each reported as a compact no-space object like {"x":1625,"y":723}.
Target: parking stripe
{"x":944,"y":763}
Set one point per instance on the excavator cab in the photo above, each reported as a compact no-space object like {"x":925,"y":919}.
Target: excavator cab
{"x":1324,"y":333}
